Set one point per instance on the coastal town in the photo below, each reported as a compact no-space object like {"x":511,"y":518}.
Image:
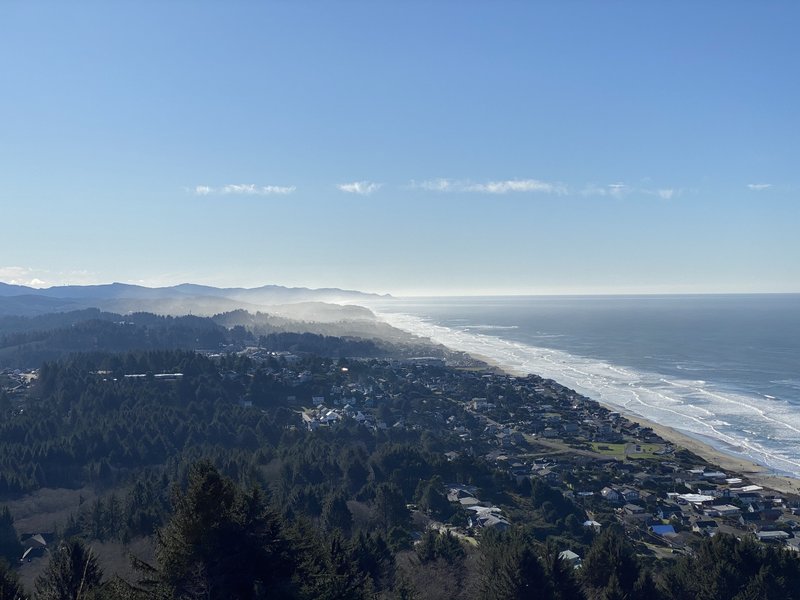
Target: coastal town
{"x":500,"y":453}
{"x":531,"y":429}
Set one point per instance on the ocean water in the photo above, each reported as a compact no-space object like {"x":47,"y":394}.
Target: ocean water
{"x":721,"y":368}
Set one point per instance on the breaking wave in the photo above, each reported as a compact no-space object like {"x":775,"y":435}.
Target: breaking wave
{"x":761,"y":428}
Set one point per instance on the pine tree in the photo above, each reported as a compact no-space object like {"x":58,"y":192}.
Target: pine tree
{"x":10,"y":548}
{"x":71,"y":574}
{"x":610,"y":565}
{"x":391,"y":506}
{"x":336,"y":515}
{"x":511,"y":570}
{"x":221,"y":543}
{"x":333,"y":574}
{"x":10,"y":588}
{"x":562,"y":576}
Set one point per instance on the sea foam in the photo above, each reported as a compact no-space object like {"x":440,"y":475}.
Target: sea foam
{"x":762,"y":429}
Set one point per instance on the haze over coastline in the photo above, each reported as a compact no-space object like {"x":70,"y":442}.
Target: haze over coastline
{"x":719,"y":368}
{"x":376,"y":300}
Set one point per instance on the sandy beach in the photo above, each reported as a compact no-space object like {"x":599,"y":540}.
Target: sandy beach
{"x":731,"y":464}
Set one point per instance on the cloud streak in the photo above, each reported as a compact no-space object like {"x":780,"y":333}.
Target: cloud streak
{"x":611,"y":189}
{"x":498,"y":187}
{"x":245,"y":189}
{"x":619,"y":190}
{"x":506,"y":186}
{"x":759,"y":187}
{"x":362,"y":188}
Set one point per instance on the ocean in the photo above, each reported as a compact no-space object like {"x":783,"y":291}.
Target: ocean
{"x":724,"y":369}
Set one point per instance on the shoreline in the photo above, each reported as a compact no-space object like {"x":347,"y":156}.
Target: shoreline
{"x":731,"y":464}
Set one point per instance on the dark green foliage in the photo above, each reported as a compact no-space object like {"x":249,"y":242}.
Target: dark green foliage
{"x":10,"y":548}
{"x":336,"y":515}
{"x":322,"y":345}
{"x":332,"y":573}
{"x":610,"y":567}
{"x":72,"y":573}
{"x":10,"y":588}
{"x":390,"y":506}
{"x":724,"y":567}
{"x":375,"y":559}
{"x":512,"y":570}
{"x":222,"y":542}
{"x":562,"y":576}
{"x":90,"y":424}
{"x":426,"y":548}
{"x":338,"y":524}
{"x":435,"y":545}
{"x":28,"y":341}
{"x":552,"y":504}
{"x":432,"y":498}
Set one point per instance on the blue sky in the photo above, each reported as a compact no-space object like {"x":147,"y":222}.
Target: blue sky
{"x":403,"y":147}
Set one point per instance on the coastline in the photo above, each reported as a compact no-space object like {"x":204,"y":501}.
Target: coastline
{"x":731,"y":464}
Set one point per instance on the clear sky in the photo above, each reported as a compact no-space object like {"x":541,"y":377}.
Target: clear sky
{"x":406,"y":147}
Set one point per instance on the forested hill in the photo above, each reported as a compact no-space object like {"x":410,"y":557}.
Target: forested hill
{"x":212,"y":461}
{"x":25,"y":342}
{"x":173,"y":300}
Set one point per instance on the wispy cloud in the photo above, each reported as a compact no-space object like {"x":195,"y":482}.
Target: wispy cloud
{"x":491,"y":187}
{"x":759,"y":187}
{"x":258,"y":190}
{"x":247,"y":189}
{"x":611,"y":189}
{"x":618,"y":190}
{"x":435,"y":185}
{"x":363,"y":188}
{"x":517,"y":185}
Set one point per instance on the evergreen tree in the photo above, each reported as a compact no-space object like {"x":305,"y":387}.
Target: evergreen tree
{"x":222,"y":543}
{"x":724,"y":567}
{"x":391,"y":506}
{"x":10,"y":588}
{"x":511,"y":570}
{"x":10,"y":548}
{"x":332,"y":573}
{"x":431,"y":498}
{"x":562,"y":576}
{"x":374,"y":558}
{"x":71,"y":574}
{"x":426,"y":547}
{"x":610,"y":567}
{"x":336,"y":515}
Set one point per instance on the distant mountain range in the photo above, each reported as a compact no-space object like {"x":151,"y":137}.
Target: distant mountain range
{"x":186,"y":298}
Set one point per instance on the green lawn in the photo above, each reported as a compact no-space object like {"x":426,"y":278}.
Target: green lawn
{"x":619,"y":450}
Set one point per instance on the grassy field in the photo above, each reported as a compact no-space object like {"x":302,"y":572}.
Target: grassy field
{"x":628,"y":451}
{"x":48,"y":509}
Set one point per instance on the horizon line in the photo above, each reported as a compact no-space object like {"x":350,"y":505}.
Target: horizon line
{"x":435,"y":294}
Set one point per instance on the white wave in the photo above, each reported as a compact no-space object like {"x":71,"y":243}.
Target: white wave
{"x":694,"y":407}
{"x":488,"y":327}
